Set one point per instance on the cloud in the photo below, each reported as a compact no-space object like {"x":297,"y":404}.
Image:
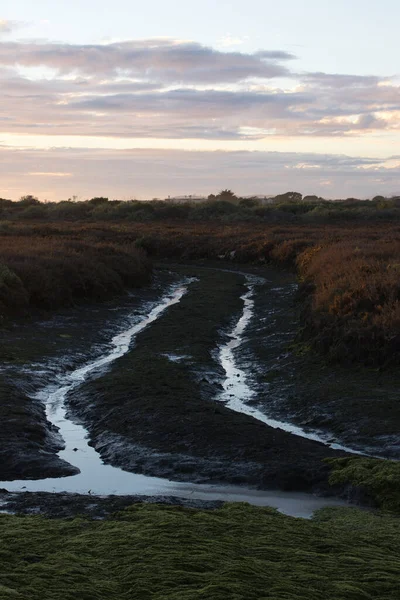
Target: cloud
{"x":171,"y":89}
{"x":165,"y":60}
{"x":229,"y":41}
{"x":164,"y":89}
{"x":7,"y":26}
{"x":337,"y":80}
{"x":127,"y":108}
{"x":149,"y":173}
{"x":49,"y":174}
{"x":274,"y":55}
{"x":209,"y":103}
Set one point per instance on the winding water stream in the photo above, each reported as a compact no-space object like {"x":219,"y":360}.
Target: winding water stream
{"x":237,"y":389}
{"x":100,"y":479}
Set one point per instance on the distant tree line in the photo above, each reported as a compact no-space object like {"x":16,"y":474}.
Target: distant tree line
{"x":224,"y":206}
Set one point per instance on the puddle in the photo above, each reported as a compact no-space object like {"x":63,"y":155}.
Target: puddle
{"x":176,"y":357}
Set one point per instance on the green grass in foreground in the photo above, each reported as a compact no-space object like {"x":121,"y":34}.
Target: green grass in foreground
{"x":236,"y":552}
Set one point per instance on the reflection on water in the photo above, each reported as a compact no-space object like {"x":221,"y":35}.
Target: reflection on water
{"x":99,"y":479}
{"x":237,"y":389}
{"x":94,"y":476}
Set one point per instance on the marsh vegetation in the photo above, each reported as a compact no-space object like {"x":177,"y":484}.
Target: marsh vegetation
{"x":234,"y":552}
{"x":319,"y":353}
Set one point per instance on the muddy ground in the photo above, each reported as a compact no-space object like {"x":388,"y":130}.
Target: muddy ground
{"x":98,"y":507}
{"x":33,"y":353}
{"x":161,"y":417}
{"x":358,"y":407}
{"x":28,"y":442}
{"x":156,"y":410}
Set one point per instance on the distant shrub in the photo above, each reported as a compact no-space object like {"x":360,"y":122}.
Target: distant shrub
{"x":13,"y":296}
{"x":288,"y":197}
{"x":296,"y":209}
{"x":28,"y":201}
{"x":98,"y":200}
{"x":67,"y":210}
{"x":249,"y":202}
{"x":213,"y":209}
{"x":35,"y":211}
{"x":223,"y":207}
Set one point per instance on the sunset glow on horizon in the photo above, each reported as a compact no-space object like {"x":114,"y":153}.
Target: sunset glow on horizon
{"x":195,"y":103}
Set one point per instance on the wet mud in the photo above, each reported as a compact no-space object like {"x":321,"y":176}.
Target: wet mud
{"x":354,"y":407}
{"x":207,"y":393}
{"x":161,"y":417}
{"x":29,"y":443}
{"x":37,"y":353}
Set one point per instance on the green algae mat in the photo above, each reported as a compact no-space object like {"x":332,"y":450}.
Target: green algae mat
{"x":237,"y":552}
{"x":380,"y":479}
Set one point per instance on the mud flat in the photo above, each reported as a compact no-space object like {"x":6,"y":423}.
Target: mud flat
{"x":156,"y":410}
{"x":161,"y":406}
{"x":205,"y":497}
{"x":37,"y":354}
{"x":29,"y":443}
{"x":168,"y":386}
{"x":350,"y":406}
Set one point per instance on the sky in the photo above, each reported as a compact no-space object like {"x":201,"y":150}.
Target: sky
{"x":163,"y":98}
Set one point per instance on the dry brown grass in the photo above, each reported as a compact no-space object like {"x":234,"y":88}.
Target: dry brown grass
{"x":355,"y":303}
{"x":53,"y":271}
{"x":350,"y":272}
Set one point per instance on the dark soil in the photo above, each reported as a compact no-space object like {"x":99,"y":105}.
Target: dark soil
{"x":161,"y":417}
{"x":33,"y":353}
{"x":28,"y":442}
{"x":97,"y":507}
{"x":355,"y":406}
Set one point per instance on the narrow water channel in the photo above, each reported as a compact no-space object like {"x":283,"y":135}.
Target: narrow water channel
{"x":237,"y":390}
{"x":99,"y":479}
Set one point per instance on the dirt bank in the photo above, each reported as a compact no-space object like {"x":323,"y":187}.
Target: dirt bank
{"x":28,"y":442}
{"x":33,"y":355}
{"x":97,"y":507}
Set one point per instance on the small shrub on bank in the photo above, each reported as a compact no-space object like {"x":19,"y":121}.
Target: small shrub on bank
{"x":379,"y":479}
{"x":13,"y":295}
